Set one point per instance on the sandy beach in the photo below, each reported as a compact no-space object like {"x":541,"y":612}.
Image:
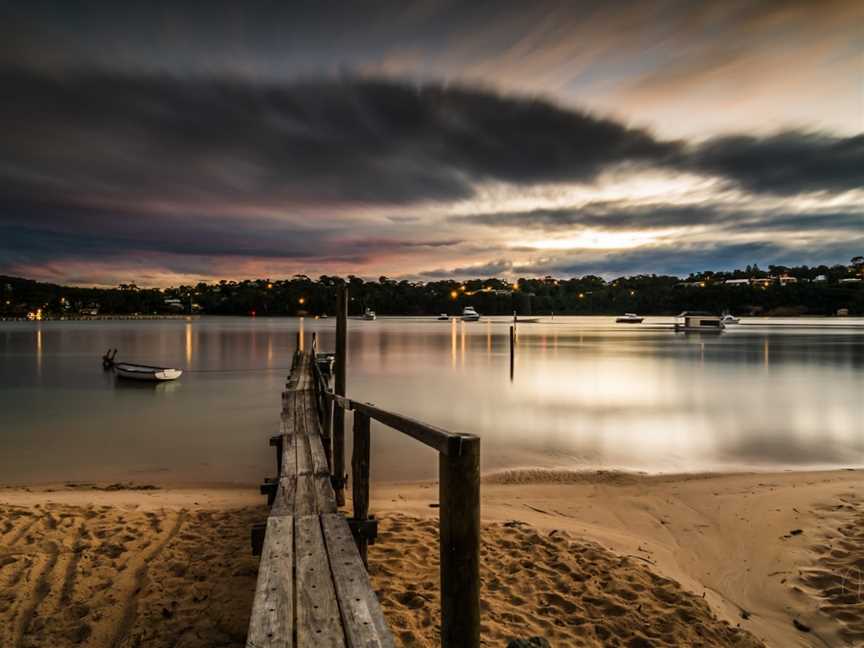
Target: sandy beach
{"x":582,"y":559}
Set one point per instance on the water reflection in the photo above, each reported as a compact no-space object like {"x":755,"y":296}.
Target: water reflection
{"x":585,"y":393}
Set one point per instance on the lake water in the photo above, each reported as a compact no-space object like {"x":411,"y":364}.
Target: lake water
{"x":585,"y":393}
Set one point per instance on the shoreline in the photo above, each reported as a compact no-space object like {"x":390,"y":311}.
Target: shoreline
{"x":727,"y":538}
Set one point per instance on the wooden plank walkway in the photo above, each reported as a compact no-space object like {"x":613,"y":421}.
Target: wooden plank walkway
{"x":313,"y":589}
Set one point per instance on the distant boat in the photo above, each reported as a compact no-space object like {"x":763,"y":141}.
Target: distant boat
{"x":470,"y":315}
{"x":323,"y":316}
{"x":145,"y":372}
{"x":629,"y":318}
{"x":728,"y":318}
{"x":369,"y":315}
{"x":444,"y":317}
{"x":699,"y":321}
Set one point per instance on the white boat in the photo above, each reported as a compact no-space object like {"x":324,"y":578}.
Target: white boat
{"x":369,"y":315}
{"x":629,"y":318}
{"x":470,"y":315}
{"x":444,"y":317}
{"x":728,"y":319}
{"x":145,"y":372}
{"x":699,"y":321}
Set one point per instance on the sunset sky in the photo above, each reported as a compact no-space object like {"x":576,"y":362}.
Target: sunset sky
{"x":427,"y":140}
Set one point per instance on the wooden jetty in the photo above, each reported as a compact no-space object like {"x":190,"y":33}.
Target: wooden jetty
{"x":313,"y":588}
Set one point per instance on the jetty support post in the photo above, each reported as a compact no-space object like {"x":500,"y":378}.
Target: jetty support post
{"x":363,"y":528}
{"x":339,"y":388}
{"x":459,"y":496}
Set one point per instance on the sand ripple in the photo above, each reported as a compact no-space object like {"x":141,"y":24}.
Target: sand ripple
{"x":573,"y":592}
{"x":837,"y":577}
{"x":111,"y":576}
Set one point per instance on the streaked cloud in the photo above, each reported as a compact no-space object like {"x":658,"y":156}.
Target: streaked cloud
{"x":220,"y":139}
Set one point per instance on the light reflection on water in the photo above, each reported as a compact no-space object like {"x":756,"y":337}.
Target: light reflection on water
{"x":585,"y":393}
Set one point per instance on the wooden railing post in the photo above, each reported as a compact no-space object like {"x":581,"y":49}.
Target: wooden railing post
{"x":326,"y":437}
{"x":339,"y":388}
{"x":360,"y":479}
{"x":459,"y":496}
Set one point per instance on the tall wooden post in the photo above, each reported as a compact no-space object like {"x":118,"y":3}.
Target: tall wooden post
{"x":339,"y":389}
{"x":459,"y":496}
{"x":360,"y":477}
{"x":512,"y":350}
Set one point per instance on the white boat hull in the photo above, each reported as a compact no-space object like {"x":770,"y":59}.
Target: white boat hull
{"x":470,"y":318}
{"x":142,"y":372}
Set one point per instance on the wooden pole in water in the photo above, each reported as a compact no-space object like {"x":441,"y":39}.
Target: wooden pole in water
{"x":459,"y":495}
{"x":339,"y":389}
{"x":512,"y":350}
{"x":360,"y":476}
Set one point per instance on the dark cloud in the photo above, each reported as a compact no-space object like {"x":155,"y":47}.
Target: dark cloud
{"x":681,"y":258}
{"x":490,"y":269}
{"x":617,"y":215}
{"x":787,"y":163}
{"x":606,"y":215}
{"x":666,"y":258}
{"x":354,"y":140}
{"x":193,"y":140}
{"x":41,"y":234}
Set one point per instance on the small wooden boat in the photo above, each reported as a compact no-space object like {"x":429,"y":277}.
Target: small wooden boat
{"x":145,"y":372}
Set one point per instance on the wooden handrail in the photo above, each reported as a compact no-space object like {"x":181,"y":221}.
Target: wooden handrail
{"x":459,"y":499}
{"x":447,"y":443}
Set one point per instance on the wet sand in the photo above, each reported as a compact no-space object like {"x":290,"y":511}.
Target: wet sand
{"x":596,"y":559}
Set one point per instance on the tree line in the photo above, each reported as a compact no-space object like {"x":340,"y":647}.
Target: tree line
{"x":819,"y":290}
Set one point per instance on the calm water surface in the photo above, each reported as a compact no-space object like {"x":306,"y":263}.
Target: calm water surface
{"x":585,"y":393}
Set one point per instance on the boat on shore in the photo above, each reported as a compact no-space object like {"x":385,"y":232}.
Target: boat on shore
{"x":470,"y":315}
{"x":145,"y":372}
{"x":629,"y":318}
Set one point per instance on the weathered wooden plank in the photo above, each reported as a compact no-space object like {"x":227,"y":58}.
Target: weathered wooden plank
{"x":289,"y":455}
{"x":272,"y":622}
{"x":284,"y":502}
{"x":319,"y":457}
{"x":305,"y":500}
{"x":318,"y":619}
{"x":304,"y":455}
{"x":325,"y":497}
{"x":362,"y":618}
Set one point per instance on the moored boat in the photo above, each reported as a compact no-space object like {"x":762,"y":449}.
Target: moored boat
{"x":470,"y":315}
{"x":629,"y":318}
{"x":699,"y":321}
{"x":729,"y":318}
{"x":444,"y":317}
{"x":369,"y":314}
{"x":145,"y":372}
